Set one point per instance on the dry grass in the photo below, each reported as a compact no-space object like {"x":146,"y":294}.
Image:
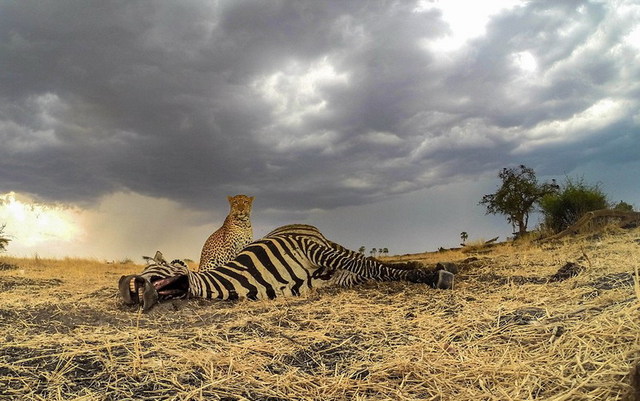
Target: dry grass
{"x":502,"y":334}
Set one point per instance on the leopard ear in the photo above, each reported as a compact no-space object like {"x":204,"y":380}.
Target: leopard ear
{"x":229,"y":198}
{"x":251,"y":198}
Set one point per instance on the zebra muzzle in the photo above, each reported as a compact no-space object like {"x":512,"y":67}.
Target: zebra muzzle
{"x":136,"y":289}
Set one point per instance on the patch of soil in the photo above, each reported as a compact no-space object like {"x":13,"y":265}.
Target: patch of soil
{"x":318,"y":357}
{"x":251,"y":328}
{"x":522,"y":316}
{"x":104,"y":293}
{"x":9,"y":283}
{"x":613,"y":280}
{"x":53,"y":319}
{"x":567,"y":271}
{"x":36,"y":369}
{"x":496,"y":279}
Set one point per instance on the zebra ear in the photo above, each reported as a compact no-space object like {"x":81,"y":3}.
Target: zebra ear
{"x":159,"y":258}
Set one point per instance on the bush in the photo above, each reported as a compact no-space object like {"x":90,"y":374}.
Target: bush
{"x":623,"y":207}
{"x":4,"y":241}
{"x":565,"y":207}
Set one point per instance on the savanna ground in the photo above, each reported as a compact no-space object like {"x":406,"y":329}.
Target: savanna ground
{"x":512,"y":329}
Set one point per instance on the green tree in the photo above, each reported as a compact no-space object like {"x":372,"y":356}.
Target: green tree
{"x":4,"y":241}
{"x":362,"y":249}
{"x":385,"y":251}
{"x":565,"y":207}
{"x":516,"y":198}
{"x":464,"y":236}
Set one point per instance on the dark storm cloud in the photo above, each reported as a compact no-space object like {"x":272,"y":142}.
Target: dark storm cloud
{"x":304,"y":104}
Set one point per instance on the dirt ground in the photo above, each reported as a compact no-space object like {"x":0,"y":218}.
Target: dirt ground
{"x":558,"y":321}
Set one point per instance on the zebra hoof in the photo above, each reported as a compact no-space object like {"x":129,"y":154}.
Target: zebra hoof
{"x":445,"y":280}
{"x":448,"y":266}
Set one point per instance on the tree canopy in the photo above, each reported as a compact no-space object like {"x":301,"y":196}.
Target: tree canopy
{"x":517,"y":196}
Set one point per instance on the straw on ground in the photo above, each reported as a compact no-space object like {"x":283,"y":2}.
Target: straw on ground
{"x":507,"y":332}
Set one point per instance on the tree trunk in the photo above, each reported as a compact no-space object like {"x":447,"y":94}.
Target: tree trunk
{"x":522,"y":226}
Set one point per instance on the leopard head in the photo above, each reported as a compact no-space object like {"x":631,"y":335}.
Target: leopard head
{"x":240,"y":206}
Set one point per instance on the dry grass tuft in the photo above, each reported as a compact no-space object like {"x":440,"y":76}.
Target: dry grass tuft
{"x":507,"y":332}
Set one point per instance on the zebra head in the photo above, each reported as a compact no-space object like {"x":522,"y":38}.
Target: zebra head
{"x":160,"y":280}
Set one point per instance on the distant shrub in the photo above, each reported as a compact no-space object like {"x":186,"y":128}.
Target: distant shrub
{"x":575,"y":198}
{"x":464,"y":236}
{"x":4,"y":241}
{"x":623,"y":207}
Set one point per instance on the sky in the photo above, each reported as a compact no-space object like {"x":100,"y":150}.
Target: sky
{"x":125,"y":125}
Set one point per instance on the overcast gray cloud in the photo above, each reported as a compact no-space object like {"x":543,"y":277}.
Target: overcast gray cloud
{"x":310,"y":105}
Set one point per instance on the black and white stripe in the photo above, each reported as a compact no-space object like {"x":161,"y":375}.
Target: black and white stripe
{"x":288,"y":261}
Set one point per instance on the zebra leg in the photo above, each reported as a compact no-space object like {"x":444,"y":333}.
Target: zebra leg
{"x":440,"y":279}
{"x":444,"y":273}
{"x":334,"y":258}
{"x":348,"y":279}
{"x":345,"y":278}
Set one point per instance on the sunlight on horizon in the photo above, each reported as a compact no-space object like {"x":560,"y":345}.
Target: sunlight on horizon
{"x":29,"y":223}
{"x":121,"y":225}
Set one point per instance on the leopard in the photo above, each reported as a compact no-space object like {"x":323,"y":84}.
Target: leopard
{"x":227,"y":241}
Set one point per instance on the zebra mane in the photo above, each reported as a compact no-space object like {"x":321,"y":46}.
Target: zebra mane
{"x":178,"y":262}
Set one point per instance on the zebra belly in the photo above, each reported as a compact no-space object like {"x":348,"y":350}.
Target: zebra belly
{"x":265,"y":270}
